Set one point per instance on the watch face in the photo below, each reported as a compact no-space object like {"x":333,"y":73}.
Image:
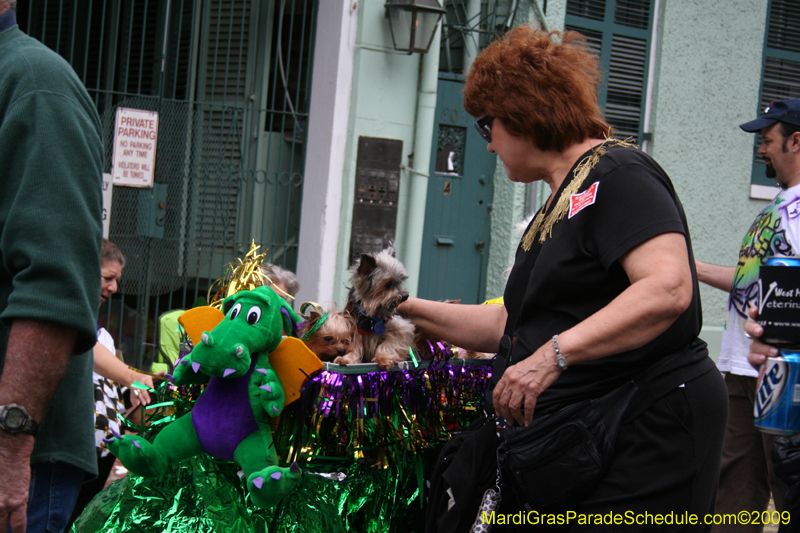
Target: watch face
{"x":15,"y":419}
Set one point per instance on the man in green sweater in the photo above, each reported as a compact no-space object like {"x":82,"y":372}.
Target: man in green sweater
{"x":51,"y":157}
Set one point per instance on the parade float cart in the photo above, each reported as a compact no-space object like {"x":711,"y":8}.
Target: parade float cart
{"x":364,"y":438}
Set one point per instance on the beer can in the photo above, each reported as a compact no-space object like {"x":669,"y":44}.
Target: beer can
{"x":779,"y":301}
{"x":777,"y":405}
{"x":782,"y":260}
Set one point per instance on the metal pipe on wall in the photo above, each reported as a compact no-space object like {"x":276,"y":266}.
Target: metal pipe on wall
{"x":423,"y":146}
{"x":651,"y":75}
{"x":472,"y":38}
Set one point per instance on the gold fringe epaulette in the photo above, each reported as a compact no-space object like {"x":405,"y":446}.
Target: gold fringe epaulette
{"x":544,"y":225}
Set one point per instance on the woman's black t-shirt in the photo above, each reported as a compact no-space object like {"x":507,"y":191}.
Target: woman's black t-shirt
{"x":627,"y":199}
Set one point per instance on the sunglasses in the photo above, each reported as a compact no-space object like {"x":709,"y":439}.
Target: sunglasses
{"x":484,"y":127}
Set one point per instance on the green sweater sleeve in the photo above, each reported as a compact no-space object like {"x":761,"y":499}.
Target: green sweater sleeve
{"x":51,"y":205}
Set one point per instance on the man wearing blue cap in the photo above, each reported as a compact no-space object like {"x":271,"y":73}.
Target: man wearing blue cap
{"x":746,"y":475}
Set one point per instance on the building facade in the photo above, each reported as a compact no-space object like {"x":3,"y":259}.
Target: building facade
{"x":679,"y":76}
{"x":297,"y":126}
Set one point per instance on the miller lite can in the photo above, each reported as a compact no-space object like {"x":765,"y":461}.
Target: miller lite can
{"x":777,"y":405}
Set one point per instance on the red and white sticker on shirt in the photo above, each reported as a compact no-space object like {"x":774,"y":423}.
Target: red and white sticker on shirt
{"x":584,"y":199}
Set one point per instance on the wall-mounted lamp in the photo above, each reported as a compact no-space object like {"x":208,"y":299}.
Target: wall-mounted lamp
{"x":413,"y":23}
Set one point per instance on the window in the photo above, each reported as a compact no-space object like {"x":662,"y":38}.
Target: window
{"x":619,"y":30}
{"x":780,"y":77}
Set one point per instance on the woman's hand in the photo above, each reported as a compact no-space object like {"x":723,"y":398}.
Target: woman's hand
{"x":140,"y":396}
{"x":109,"y":366}
{"x":758,"y":350}
{"x":515,"y":395}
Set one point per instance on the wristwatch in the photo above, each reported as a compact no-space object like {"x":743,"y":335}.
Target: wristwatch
{"x":15,"y":419}
{"x":561,"y":361}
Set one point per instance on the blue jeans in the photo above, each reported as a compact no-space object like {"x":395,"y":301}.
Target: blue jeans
{"x":53,"y":493}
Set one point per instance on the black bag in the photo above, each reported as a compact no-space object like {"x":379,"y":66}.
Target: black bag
{"x":560,"y":457}
{"x":462,"y":474}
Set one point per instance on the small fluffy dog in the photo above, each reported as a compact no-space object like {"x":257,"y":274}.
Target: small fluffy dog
{"x":384,"y":336}
{"x":332,"y":336}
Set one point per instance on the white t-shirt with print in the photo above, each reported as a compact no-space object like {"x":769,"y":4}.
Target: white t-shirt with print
{"x":775,"y":231}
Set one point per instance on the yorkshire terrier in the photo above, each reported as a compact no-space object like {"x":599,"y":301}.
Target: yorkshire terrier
{"x":331,"y":336}
{"x":385,"y":337}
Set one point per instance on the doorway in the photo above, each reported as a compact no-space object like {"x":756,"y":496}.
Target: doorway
{"x":455,"y":248}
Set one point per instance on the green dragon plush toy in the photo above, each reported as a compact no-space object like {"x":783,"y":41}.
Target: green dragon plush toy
{"x":231,"y":418}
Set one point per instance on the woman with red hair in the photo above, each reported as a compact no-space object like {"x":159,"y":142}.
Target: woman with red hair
{"x":603,"y":291}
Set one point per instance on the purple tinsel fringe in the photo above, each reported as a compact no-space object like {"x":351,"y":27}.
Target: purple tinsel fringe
{"x":440,"y":385}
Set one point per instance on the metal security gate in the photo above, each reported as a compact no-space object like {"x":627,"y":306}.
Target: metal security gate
{"x":231,"y":83}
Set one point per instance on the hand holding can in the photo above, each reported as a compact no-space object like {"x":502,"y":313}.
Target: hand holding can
{"x":775,"y":328}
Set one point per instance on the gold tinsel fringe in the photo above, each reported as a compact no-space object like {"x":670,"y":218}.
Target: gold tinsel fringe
{"x":247,"y":275}
{"x":544,"y":226}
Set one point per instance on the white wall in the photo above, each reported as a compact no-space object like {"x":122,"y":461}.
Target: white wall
{"x":329,"y":121}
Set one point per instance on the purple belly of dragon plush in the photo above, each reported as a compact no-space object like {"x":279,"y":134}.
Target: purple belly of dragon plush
{"x":222,"y":416}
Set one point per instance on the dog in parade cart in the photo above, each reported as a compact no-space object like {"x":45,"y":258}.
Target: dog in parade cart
{"x":331,"y":335}
{"x":385,"y":337}
{"x":246,"y":390}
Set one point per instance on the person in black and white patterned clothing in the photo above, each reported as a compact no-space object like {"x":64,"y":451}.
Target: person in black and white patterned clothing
{"x":108,"y":401}
{"x":111,"y":377}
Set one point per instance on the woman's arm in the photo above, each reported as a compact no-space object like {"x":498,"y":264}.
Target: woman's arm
{"x":719,"y":277}
{"x":107,"y":365}
{"x":660,"y":290}
{"x":472,"y":327}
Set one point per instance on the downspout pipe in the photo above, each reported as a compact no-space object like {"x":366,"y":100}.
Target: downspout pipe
{"x":651,"y":75}
{"x":473,"y":15}
{"x":423,"y":141}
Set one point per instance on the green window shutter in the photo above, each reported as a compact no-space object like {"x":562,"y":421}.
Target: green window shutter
{"x":619,"y":31}
{"x":780,"y":79}
{"x":633,"y":13}
{"x":593,"y":38}
{"x":784,"y":26}
{"x":626,"y":75}
{"x":590,"y":9}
